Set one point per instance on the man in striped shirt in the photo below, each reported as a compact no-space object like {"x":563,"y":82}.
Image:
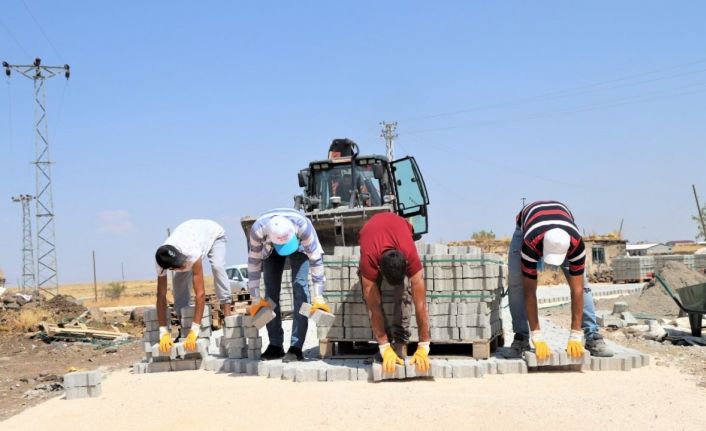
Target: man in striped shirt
{"x":546,"y":231}
{"x":275,"y":236}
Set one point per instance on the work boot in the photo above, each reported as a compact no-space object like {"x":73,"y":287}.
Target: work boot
{"x":293,"y":354}
{"x":520,"y":343}
{"x":272,"y":352}
{"x":597,"y":347}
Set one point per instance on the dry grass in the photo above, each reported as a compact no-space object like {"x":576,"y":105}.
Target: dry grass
{"x":23,"y":321}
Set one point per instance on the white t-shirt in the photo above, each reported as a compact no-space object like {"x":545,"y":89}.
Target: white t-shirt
{"x":194,"y":238}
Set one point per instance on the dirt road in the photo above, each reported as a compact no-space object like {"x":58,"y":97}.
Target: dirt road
{"x":647,"y":398}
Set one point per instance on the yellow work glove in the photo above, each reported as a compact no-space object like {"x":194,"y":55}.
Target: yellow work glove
{"x":421,"y":356}
{"x":575,"y":346}
{"x":319,"y":304}
{"x":190,"y":341}
{"x":389,"y":358}
{"x":541,"y":348}
{"x":165,"y":340}
{"x":256,"y":307}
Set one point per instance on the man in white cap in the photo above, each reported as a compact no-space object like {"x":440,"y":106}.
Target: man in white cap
{"x":183,"y":253}
{"x":546,"y":231}
{"x":275,"y":236}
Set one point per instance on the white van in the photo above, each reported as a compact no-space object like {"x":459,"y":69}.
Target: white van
{"x":238,"y":276}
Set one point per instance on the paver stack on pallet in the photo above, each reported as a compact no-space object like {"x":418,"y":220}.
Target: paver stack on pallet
{"x":286,"y":296}
{"x":686,"y":259}
{"x":178,"y":358}
{"x":633,"y":268}
{"x":464,"y":288}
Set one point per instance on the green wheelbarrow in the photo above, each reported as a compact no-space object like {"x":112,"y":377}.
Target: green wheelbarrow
{"x":691,"y":300}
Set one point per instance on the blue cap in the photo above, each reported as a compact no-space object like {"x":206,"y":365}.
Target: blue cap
{"x":287,"y":248}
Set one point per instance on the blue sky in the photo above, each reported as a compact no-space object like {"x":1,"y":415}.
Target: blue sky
{"x":180,"y":110}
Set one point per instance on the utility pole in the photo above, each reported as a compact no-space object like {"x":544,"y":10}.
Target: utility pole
{"x":46,"y":238}
{"x":701,"y":214}
{"x":28,"y":275}
{"x":523,"y":202}
{"x":388,"y":133}
{"x":95,"y":283}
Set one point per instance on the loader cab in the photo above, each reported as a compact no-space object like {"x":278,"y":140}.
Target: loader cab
{"x":371,"y":183}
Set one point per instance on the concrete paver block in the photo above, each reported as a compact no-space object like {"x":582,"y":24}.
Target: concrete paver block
{"x":94,"y":377}
{"x":254,"y":343}
{"x":263,"y":317}
{"x":234,"y":321}
{"x":306,"y":374}
{"x":251,"y":332}
{"x":75,"y":380}
{"x":95,"y":391}
{"x":75,"y":393}
{"x":233,"y":332}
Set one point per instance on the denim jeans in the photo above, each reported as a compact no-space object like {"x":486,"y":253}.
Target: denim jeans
{"x":272,"y":268}
{"x":516,"y":296}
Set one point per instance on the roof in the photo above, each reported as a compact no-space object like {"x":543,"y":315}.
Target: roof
{"x":631,"y":247}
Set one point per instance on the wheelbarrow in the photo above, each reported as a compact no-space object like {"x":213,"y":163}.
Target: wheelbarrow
{"x":691,"y":300}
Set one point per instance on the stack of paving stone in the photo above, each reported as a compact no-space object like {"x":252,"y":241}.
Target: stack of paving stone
{"x":187,"y":316}
{"x":241,"y":338}
{"x":151,"y":334}
{"x":686,"y":259}
{"x":464,"y":288}
{"x":83,"y":384}
{"x":286,"y":296}
{"x":700,"y":261}
{"x":631,"y":268}
{"x":178,"y":358}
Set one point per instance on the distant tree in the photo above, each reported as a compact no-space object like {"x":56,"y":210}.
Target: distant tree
{"x":700,"y":229}
{"x":114,"y":290}
{"x":483,"y":235}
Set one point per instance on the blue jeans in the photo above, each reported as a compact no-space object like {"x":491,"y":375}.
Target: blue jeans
{"x":516,"y":295}
{"x":272,"y":268}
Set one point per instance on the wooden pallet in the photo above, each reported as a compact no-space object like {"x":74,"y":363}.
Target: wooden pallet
{"x":478,"y":349}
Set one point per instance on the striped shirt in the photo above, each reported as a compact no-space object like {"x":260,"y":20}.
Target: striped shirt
{"x":260,"y":248}
{"x":535,"y":220}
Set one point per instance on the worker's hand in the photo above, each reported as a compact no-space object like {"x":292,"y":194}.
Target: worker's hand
{"x":190,"y":341}
{"x":575,"y":346}
{"x":421,"y":356}
{"x":389,"y":358}
{"x":319,"y":304}
{"x":256,"y":307}
{"x":541,"y":348}
{"x":165,"y":340}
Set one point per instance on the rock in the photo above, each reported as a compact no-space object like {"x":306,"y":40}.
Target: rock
{"x":138,"y":314}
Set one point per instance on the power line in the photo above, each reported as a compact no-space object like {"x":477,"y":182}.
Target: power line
{"x":41,"y":29}
{"x":566,"y":92}
{"x":12,"y":36}
{"x":571,"y":110}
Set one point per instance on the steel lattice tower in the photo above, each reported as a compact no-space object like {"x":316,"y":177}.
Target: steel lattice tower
{"x":46,"y":243}
{"x":28,"y":278}
{"x":388,"y":133}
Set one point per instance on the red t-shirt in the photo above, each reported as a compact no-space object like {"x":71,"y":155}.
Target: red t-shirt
{"x":386,"y":231}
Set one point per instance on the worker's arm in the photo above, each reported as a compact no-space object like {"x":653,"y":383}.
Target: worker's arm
{"x":529,"y":285}
{"x":200,"y":302}
{"x":371,"y":296}
{"x":199,"y":291}
{"x":541,"y":348}
{"x":165,"y":338}
{"x":162,"y":300}
{"x":419,"y":297}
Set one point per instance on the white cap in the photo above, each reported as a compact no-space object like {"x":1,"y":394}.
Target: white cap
{"x":556,"y":245}
{"x":282,"y":233}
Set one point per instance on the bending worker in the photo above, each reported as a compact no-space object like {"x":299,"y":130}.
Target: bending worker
{"x":183,"y":253}
{"x":275,"y":236}
{"x":387,"y":251}
{"x":546,"y":230}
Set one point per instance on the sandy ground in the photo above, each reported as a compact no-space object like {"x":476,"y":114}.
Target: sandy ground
{"x":648,"y":398}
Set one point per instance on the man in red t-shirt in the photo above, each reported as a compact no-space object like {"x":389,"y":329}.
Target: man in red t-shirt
{"x":388,"y":253}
